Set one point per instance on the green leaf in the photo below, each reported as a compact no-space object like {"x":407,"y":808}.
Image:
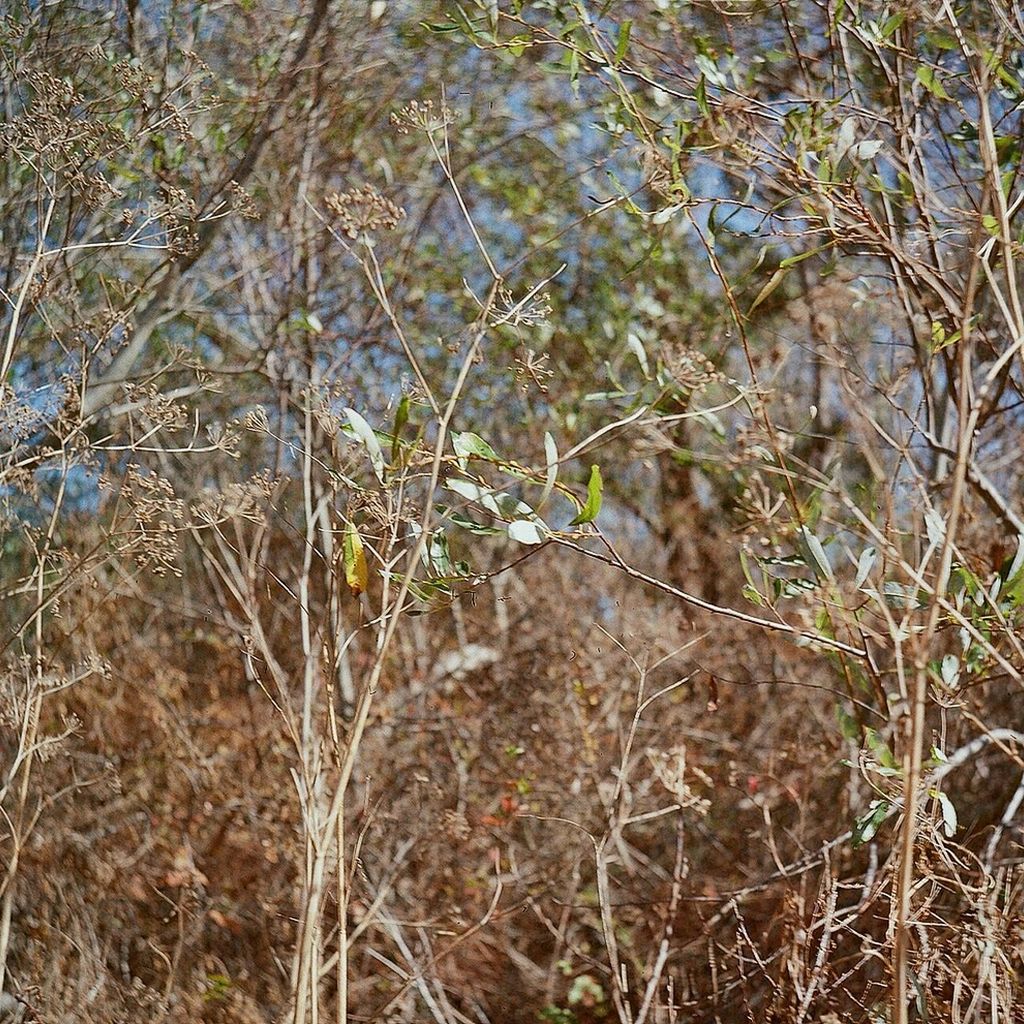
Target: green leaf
{"x":525,"y":532}
{"x":437,"y":557}
{"x":745,"y":566}
{"x":961,"y":579}
{"x":664,"y":215}
{"x":892,"y":23}
{"x":865,"y":564}
{"x":814,"y":554}
{"x":949,"y":822}
{"x":790,"y":561}
{"x":467,"y":443}
{"x":499,"y":503}
{"x":556,"y":1015}
{"x":949,"y":671}
{"x":1014,"y":568}
{"x":365,"y":433}
{"x":881,"y":750}
{"x":847,"y":723}
{"x":1012,"y":589}
{"x":940,"y":40}
{"x":927,"y":77}
{"x":623,"y":41}
{"x":401,"y":418}
{"x":595,"y":488}
{"x":793,"y":588}
{"x":792,"y":261}
{"x":585,"y":990}
{"x":867,"y":825}
{"x":573,"y":60}
{"x":900,"y":595}
{"x":472,"y":526}
{"x":701,"y":96}
{"x":354,"y":556}
{"x":551,"y":454}
{"x":474,"y":492}
{"x":636,"y":346}
{"x":510,"y":507}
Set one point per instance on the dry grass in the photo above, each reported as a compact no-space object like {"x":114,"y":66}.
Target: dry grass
{"x":436,"y":590}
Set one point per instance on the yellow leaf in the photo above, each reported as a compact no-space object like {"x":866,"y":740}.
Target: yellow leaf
{"x":356,"y":573}
{"x":773,"y":282}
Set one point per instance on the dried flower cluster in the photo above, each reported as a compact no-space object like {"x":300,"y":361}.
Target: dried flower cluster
{"x":177,"y":211}
{"x":424,"y":116}
{"x":690,"y":369}
{"x":242,"y":201}
{"x":362,"y":211}
{"x":533,"y":311}
{"x":240,"y":500}
{"x":531,"y":369}
{"x":159,"y":518}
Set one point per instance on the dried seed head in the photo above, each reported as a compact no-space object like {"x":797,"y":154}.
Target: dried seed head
{"x":364,"y":210}
{"x":242,"y":201}
{"x":423,"y":116}
{"x":690,"y":369}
